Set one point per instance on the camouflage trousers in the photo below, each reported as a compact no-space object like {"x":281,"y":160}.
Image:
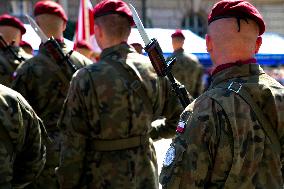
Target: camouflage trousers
{"x":47,"y":179}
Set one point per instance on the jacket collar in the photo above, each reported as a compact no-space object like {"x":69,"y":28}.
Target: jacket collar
{"x":179,"y":51}
{"x":122,"y":47}
{"x":236,"y":71}
{"x":228,"y":65}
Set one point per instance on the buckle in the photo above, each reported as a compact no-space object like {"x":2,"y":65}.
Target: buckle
{"x":135,"y":85}
{"x":234,"y":86}
{"x":144,"y":140}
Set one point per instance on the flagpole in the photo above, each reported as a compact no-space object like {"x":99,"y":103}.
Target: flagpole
{"x":80,"y":24}
{"x":85,"y":24}
{"x":86,"y":21}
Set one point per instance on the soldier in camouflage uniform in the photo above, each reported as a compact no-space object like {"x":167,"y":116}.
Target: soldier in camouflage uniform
{"x":138,"y":47}
{"x":11,"y":29}
{"x":187,"y":68}
{"x":227,"y":137}
{"x":27,"y":47}
{"x":22,"y":154}
{"x":106,"y":118}
{"x":44,"y":80}
{"x":84,"y":48}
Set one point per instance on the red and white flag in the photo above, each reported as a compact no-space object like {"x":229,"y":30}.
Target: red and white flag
{"x":85,"y":25}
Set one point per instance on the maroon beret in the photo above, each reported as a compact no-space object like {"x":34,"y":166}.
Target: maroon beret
{"x":107,"y":7}
{"x":25,"y":44}
{"x":236,"y":8}
{"x":82,"y":44}
{"x":136,"y":44}
{"x":178,"y":33}
{"x":49,"y":7}
{"x":7,"y":20}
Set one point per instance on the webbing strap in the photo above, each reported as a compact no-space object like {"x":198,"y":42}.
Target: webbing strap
{"x":136,"y":85}
{"x":7,"y":141}
{"x":238,"y":89}
{"x":59,"y":72}
{"x":57,"y":69}
{"x":264,"y":122}
{"x":119,"y":144}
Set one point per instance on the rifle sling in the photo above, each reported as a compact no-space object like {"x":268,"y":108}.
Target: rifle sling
{"x":57,"y":69}
{"x":7,"y":141}
{"x":59,"y":72}
{"x":136,"y":85}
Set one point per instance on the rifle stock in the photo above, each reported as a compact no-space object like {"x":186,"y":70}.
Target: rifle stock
{"x":163,"y":69}
{"x":56,"y":52}
{"x":4,"y":44}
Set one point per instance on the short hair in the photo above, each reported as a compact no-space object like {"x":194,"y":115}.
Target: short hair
{"x":178,"y":39}
{"x":114,"y":25}
{"x":50,"y":22}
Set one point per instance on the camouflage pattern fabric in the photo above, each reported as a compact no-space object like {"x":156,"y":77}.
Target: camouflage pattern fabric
{"x":6,"y":70}
{"x":100,"y":106}
{"x":188,"y":71}
{"x":22,"y":154}
{"x":8,"y":64}
{"x":44,"y":83}
{"x":223,"y":144}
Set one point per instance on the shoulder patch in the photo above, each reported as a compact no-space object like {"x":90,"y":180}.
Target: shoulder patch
{"x":14,"y":75}
{"x":169,"y":157}
{"x":182,"y":122}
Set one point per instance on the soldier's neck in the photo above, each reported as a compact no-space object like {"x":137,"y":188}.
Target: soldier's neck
{"x":56,"y":35}
{"x":111,"y":43}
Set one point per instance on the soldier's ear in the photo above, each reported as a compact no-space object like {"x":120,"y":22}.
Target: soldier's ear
{"x":96,"y":29}
{"x":64,"y":26}
{"x":208,"y":43}
{"x":258,"y":44}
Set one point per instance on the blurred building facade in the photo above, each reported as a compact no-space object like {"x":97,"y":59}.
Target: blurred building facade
{"x":187,"y":14}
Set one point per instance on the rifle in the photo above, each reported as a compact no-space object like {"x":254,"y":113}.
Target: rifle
{"x":56,"y":52}
{"x":53,"y":46}
{"x":161,"y":66}
{"x":4,"y":44}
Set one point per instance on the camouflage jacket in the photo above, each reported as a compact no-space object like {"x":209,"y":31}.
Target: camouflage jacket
{"x":101,"y":106}
{"x":222,"y":144}
{"x":44,"y":82}
{"x":22,"y":154}
{"x":8,"y":64}
{"x":188,"y":71}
